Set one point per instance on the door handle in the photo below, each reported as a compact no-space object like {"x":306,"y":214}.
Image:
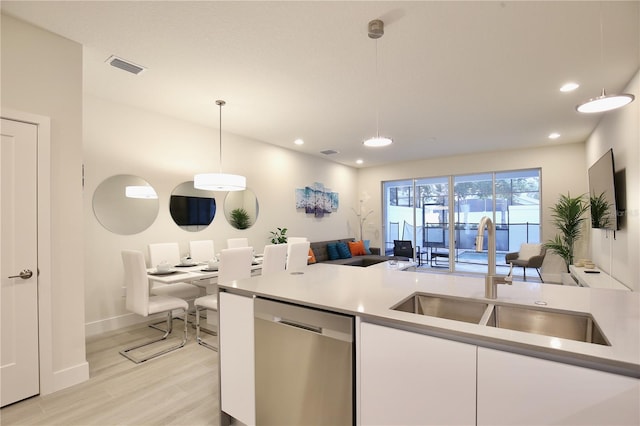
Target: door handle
{"x":25,"y":275}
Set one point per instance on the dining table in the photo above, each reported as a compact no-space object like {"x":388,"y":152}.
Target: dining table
{"x":197,"y":273}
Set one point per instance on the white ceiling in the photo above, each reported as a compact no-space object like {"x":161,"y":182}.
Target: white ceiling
{"x":453,"y":77}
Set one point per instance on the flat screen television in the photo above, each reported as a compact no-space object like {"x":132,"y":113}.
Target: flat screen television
{"x":602,"y":185}
{"x":187,"y":211}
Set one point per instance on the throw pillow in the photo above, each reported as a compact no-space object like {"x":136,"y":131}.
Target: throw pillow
{"x":356,"y":248}
{"x":529,"y":250}
{"x":343,"y":251}
{"x":367,"y":250}
{"x":312,"y":257}
{"x":332,"y":251}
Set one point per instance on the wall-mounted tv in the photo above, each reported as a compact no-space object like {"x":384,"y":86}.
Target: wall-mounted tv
{"x":602,"y":188}
{"x":188,"y":211}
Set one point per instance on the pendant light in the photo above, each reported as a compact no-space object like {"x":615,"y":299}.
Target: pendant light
{"x":376,"y":30}
{"x":220,"y":181}
{"x":604,"y":102}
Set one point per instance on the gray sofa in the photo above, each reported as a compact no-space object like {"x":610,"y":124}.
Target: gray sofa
{"x":322,"y":256}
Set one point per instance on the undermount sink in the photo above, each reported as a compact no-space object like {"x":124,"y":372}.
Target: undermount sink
{"x":566,"y":325}
{"x":444,"y":307}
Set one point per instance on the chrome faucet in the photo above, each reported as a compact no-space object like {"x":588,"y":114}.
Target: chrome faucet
{"x":491,"y":280}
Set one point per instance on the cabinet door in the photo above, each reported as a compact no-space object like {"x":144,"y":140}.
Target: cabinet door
{"x":237,"y":378}
{"x":412,"y":379}
{"x":520,"y":390}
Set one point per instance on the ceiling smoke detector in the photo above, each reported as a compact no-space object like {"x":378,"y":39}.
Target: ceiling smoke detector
{"x":329,"y":152}
{"x":125,"y":65}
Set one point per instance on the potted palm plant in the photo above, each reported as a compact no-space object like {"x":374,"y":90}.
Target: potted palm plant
{"x":240,"y":218}
{"x":568,"y":217}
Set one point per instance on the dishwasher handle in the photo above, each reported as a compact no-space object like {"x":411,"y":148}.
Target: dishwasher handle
{"x":297,"y":324}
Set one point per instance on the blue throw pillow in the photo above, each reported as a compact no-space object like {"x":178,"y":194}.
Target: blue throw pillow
{"x":366,"y":246}
{"x":343,"y":251}
{"x":332,"y":251}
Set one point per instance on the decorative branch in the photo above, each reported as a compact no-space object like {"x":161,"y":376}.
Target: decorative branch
{"x":361,"y":218}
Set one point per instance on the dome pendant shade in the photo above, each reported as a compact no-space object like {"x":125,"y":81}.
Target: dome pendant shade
{"x":605,"y":103}
{"x":378,"y":141}
{"x":219,"y":182}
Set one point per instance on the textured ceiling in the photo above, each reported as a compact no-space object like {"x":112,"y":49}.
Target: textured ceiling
{"x":452,"y":77}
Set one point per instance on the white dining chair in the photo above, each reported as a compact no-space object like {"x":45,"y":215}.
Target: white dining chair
{"x":274,"y":259}
{"x":139,"y":302}
{"x":235,"y":264}
{"x":237,"y":242}
{"x":170,"y":252}
{"x":202,"y":250}
{"x":297,"y":256}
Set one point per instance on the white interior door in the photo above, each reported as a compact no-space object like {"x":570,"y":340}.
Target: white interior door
{"x":19,"y":366}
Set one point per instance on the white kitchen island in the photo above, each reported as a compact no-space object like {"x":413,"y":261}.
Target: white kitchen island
{"x":418,"y":369}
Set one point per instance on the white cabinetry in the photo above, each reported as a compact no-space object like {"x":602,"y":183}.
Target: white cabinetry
{"x":237,"y":378}
{"x":520,"y":390}
{"x":412,"y":379}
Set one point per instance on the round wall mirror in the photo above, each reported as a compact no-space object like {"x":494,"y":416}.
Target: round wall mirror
{"x":241,"y":208}
{"x":125,"y":204}
{"x":192,"y":209}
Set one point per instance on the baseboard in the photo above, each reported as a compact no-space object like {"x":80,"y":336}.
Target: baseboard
{"x":121,"y":321}
{"x":114,"y":323}
{"x":63,"y":379}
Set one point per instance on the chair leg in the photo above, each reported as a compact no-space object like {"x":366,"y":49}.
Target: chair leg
{"x":155,"y":325}
{"x":126,"y":354}
{"x":199,"y":339}
{"x":538,"y":271}
{"x":524,"y":272}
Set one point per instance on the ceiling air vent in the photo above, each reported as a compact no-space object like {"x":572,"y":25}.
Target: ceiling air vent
{"x":124,"y":65}
{"x":329,"y":152}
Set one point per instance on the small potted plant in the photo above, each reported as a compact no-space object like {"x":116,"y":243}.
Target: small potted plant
{"x":240,"y":218}
{"x":279,"y":236}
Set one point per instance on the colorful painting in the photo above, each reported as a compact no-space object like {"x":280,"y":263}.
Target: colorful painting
{"x":316,"y":200}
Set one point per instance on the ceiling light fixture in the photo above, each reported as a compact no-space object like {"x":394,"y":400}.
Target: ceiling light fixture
{"x":376,"y":30}
{"x":220,"y":181}
{"x":604,"y":102}
{"x":554,"y":135}
{"x":569,"y":87}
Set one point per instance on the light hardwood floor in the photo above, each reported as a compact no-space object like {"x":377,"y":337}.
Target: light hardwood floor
{"x":179,"y":388}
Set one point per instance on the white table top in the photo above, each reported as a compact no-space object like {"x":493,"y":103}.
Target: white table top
{"x":371,"y":293}
{"x":189,"y":274}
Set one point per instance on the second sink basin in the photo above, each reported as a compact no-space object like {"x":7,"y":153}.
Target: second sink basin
{"x":444,"y":307}
{"x":566,"y":325}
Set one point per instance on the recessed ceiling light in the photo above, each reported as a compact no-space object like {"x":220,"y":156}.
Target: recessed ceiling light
{"x":299,"y":141}
{"x":359,"y":161}
{"x":554,"y":135}
{"x":569,"y":87}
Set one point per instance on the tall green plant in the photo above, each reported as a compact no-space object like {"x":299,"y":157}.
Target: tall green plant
{"x":568,"y":217}
{"x":599,"y":211}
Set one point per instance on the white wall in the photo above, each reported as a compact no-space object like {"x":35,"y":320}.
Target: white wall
{"x":562,"y":171}
{"x":620,"y":130}
{"x":42,"y":74}
{"x":120,"y":139}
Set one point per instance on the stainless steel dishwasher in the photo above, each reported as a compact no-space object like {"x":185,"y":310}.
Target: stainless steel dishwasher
{"x":304,"y":365}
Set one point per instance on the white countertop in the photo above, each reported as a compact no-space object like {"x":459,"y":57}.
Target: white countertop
{"x":596,"y":278}
{"x":371,"y":292}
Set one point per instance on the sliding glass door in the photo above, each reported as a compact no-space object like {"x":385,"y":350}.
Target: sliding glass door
{"x":422,"y":210}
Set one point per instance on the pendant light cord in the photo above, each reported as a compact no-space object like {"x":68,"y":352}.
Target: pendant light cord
{"x":220,"y":104}
{"x":377,"y":97}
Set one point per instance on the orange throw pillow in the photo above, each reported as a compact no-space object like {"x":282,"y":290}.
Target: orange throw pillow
{"x":312,"y":257}
{"x":357,"y":248}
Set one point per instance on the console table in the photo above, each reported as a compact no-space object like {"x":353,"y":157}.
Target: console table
{"x":595,"y":279}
